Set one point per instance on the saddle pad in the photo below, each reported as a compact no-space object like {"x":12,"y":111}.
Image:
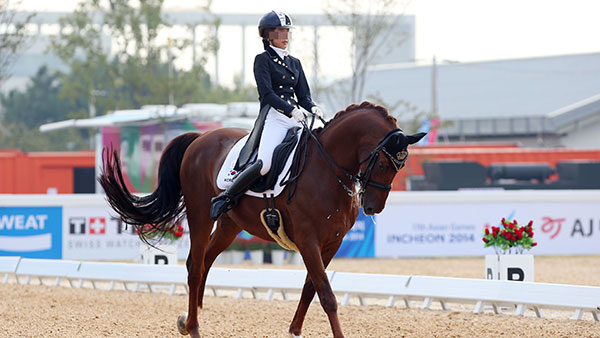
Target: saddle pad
{"x":224,"y":178}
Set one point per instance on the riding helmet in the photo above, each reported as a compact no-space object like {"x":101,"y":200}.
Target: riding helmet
{"x":274,"y":19}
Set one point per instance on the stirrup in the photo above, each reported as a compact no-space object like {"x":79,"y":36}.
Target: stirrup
{"x":220,"y":205}
{"x":271,"y":217}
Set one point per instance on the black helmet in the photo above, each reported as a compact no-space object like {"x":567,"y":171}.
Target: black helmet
{"x":274,"y":19}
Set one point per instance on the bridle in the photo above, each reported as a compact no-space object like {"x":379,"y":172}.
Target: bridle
{"x":363,"y":179}
{"x":398,"y":161}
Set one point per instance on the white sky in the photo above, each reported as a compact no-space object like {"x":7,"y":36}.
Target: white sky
{"x":457,"y":30}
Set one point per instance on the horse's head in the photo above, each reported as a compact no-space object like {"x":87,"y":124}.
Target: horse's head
{"x":380,"y":149}
{"x":379,"y":167}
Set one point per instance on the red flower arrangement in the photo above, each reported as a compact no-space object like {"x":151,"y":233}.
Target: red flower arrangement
{"x":174,"y":233}
{"x":509,"y":236}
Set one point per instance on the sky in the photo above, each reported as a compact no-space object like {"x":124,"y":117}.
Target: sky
{"x":456,"y":30}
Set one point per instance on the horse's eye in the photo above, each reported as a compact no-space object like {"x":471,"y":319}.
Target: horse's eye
{"x":381,"y":166}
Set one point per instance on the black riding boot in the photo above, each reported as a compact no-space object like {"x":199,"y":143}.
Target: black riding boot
{"x":228,"y":198}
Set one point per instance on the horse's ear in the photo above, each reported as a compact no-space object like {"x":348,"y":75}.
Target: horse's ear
{"x":412,"y":139}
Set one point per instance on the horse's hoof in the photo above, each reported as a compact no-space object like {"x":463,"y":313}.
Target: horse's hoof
{"x":294,"y":336}
{"x":181,"y":323}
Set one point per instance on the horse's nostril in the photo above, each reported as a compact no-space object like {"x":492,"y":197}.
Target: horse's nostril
{"x":369,"y":210}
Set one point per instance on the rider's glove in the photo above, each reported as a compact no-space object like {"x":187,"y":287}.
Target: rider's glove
{"x":317,"y":111}
{"x":299,"y":115}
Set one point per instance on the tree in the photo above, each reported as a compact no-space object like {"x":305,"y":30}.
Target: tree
{"x":373,"y":27}
{"x":19,"y":136}
{"x":139,"y":71}
{"x":38,"y":104}
{"x":13,"y":36}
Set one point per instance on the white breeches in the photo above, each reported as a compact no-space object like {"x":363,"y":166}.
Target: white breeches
{"x":276,"y":126}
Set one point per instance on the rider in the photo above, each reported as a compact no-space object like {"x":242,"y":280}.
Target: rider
{"x":284,"y":98}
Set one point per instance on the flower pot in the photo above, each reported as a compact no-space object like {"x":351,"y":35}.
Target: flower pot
{"x":277,"y":257}
{"x":237,"y":257}
{"x":257,"y":257}
{"x":224,"y":258}
{"x":509,"y":267}
{"x":163,"y":254}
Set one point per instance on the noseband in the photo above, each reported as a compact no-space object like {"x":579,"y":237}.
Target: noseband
{"x":363,"y":179}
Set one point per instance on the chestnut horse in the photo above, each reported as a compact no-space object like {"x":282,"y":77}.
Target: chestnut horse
{"x":352,"y":151}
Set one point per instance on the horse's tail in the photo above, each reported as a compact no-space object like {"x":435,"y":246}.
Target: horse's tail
{"x":151,"y":215}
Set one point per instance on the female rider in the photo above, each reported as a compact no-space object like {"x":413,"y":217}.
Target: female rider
{"x":284,"y":101}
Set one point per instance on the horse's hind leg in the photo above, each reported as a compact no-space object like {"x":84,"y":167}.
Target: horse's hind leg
{"x":200,"y":226}
{"x":221,"y":238}
{"x":308,"y":293}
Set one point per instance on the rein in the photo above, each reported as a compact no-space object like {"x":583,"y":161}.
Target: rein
{"x":362,"y":179}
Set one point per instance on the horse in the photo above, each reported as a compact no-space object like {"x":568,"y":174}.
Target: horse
{"x":350,"y":163}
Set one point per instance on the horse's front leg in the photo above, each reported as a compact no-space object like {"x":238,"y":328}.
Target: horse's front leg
{"x":316,"y":271}
{"x":308,"y":293}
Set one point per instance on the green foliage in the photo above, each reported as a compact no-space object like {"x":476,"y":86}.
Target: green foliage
{"x":24,"y":112}
{"x":12,"y":40}
{"x":136,"y":70}
{"x":19,"y":136}
{"x":140,"y":70}
{"x":38,"y":104}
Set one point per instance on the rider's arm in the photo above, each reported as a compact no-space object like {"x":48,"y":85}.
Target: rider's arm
{"x":262,"y":75}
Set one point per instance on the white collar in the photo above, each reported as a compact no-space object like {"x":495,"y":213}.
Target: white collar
{"x":281,"y":52}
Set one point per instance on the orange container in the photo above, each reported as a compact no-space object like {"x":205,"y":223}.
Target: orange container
{"x":40,"y":172}
{"x":486,"y":155}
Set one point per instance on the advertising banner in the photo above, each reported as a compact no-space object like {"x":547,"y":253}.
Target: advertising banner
{"x":95,"y":233}
{"x":359,"y":242}
{"x":450,"y":229}
{"x":32,"y":232}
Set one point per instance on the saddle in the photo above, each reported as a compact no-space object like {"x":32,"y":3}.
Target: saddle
{"x":270,"y":184}
{"x":287,"y":164}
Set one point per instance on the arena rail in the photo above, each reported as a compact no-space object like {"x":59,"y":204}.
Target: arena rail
{"x":520,"y":295}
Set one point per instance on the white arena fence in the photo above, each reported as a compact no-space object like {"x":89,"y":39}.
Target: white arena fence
{"x":480,"y":292}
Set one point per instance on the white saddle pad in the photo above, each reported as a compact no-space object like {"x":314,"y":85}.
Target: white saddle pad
{"x":226,"y":174}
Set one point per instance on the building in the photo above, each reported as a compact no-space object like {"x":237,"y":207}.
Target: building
{"x":537,"y":102}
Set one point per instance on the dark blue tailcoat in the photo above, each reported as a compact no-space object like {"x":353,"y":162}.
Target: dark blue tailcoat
{"x":282,"y":85}
{"x":277,"y":80}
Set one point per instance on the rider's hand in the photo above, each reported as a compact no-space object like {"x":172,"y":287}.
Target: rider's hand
{"x":317,"y":111}
{"x":299,"y":115}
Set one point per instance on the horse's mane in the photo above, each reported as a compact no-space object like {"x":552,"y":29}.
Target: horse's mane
{"x":354,"y":107}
